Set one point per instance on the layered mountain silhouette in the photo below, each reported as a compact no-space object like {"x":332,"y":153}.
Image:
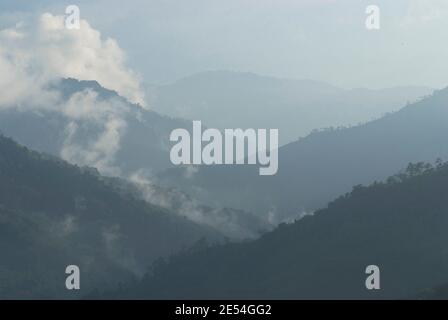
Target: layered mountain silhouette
{"x":123,"y":139}
{"x":53,"y":214}
{"x":93,"y":126}
{"x":319,"y":167}
{"x":398,"y":225}
{"x":235,"y":225}
{"x":225,"y":99}
{"x":143,"y":140}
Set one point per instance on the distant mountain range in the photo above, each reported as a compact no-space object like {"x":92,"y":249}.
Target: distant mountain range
{"x":398,"y":225}
{"x":96,"y":127}
{"x":143,"y":209}
{"x":53,"y":214}
{"x":325,"y":164}
{"x":225,"y":99}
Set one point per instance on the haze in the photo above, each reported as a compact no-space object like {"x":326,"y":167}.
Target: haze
{"x":319,"y":40}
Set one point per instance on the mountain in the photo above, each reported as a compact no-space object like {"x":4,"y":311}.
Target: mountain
{"x":87,"y":124}
{"x":234,"y":224}
{"x":224,"y":99}
{"x":53,"y":214}
{"x":398,"y":225}
{"x":91,"y":125}
{"x":319,"y":167}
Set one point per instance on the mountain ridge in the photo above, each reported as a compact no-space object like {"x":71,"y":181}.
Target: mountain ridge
{"x":53,"y":214}
{"x":226,"y":99}
{"x":398,"y":225}
{"x":316,"y":168}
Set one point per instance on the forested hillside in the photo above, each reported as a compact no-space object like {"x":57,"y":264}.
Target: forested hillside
{"x":53,"y":214}
{"x":399,"y":225}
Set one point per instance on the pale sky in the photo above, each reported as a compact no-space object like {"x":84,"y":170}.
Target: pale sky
{"x":322,"y":40}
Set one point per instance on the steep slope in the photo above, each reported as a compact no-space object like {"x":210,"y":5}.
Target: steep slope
{"x":317,"y":168}
{"x":90,"y":125}
{"x":236,"y":225}
{"x":400,"y":226}
{"x":224,"y":99}
{"x":53,"y":214}
{"x":87,"y":124}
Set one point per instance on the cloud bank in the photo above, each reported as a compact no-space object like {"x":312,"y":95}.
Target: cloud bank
{"x":107,"y":117}
{"x":40,"y":49}
{"x":37,"y":52}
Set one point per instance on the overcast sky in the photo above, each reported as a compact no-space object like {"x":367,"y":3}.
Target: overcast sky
{"x":316,"y":39}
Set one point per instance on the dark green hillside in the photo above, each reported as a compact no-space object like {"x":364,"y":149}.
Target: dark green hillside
{"x":400,"y":225}
{"x":325,"y":164}
{"x":53,"y":214}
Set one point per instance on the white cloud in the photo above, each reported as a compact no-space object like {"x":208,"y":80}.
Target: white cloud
{"x":107,"y":117}
{"x":36,"y":51}
{"x":19,"y":82}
